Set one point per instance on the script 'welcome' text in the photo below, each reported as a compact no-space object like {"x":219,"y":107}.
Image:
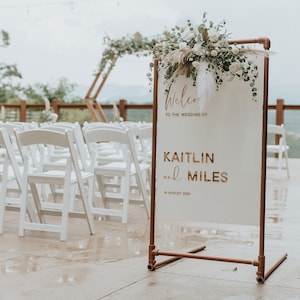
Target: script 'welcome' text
{"x":181,"y":99}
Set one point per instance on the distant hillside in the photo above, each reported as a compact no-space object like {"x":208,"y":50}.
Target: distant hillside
{"x":112,"y":93}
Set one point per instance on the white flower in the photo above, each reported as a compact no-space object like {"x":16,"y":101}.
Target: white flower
{"x":235,"y":67}
{"x":188,"y":35}
{"x":214,"y":53}
{"x":235,"y":50}
{"x":213,"y":34}
{"x":183,"y":46}
{"x":197,"y":49}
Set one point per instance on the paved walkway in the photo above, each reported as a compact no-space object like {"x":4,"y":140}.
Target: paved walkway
{"x":113,"y":263}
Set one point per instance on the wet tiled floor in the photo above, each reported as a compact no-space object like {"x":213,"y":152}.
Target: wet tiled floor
{"x":112,"y":264}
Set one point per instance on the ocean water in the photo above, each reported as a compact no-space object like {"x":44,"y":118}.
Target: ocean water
{"x":292,"y":126}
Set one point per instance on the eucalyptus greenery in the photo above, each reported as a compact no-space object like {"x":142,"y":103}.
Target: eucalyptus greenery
{"x":184,"y":48}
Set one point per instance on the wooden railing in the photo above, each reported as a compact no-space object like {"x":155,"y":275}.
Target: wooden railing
{"x":23,"y":108}
{"x":280,"y":107}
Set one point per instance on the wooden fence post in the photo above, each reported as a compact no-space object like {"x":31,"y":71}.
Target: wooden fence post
{"x":55,"y":105}
{"x":279,"y":118}
{"x":23,"y":106}
{"x":122,"y":109}
{"x":279,"y":112}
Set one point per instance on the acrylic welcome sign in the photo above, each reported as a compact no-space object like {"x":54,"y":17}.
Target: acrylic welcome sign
{"x":209,"y":165}
{"x":208,"y":162}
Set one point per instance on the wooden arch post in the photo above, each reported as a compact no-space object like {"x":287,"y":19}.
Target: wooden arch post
{"x":158,"y":192}
{"x":91,"y":98}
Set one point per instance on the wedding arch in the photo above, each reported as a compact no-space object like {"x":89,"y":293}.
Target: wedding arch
{"x":115,"y":48}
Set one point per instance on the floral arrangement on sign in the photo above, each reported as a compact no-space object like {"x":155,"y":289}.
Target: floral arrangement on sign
{"x":204,"y":53}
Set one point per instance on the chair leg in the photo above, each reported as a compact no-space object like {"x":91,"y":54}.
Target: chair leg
{"x":23,"y":205}
{"x":143,"y":191}
{"x":3,"y":194}
{"x":30,"y":212}
{"x":36,"y":199}
{"x":90,"y":190}
{"x":72,"y":197}
{"x":287,"y":164}
{"x":102,"y":189}
{"x":2,"y":203}
{"x":125,"y":189}
{"x":65,"y":210}
{"x":89,"y":216}
{"x":280,"y":154}
{"x":85,"y":204}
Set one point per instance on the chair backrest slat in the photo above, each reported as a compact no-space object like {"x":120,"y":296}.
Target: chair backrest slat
{"x":42,"y":136}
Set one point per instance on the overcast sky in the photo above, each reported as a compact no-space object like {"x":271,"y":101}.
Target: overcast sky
{"x":53,"y":39}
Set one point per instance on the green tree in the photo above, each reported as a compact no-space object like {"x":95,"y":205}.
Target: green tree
{"x":62,"y":90}
{"x":7,"y":72}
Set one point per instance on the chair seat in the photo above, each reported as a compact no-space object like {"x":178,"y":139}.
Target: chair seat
{"x":50,"y":177}
{"x":276,"y":148}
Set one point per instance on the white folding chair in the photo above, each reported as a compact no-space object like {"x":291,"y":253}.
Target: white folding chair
{"x":10,"y":179}
{"x":280,"y":149}
{"x":109,"y":188}
{"x":36,"y":176}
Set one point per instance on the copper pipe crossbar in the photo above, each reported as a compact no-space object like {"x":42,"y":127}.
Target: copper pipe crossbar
{"x":193,"y":255}
{"x":170,"y":260}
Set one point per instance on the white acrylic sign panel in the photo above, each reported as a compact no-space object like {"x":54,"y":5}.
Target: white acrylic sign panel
{"x":208,"y":164}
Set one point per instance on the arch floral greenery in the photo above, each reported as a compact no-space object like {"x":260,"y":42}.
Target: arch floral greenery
{"x":182,"y":49}
{"x":115,"y":48}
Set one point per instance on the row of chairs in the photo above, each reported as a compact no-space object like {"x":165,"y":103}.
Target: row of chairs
{"x":63,"y":169}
